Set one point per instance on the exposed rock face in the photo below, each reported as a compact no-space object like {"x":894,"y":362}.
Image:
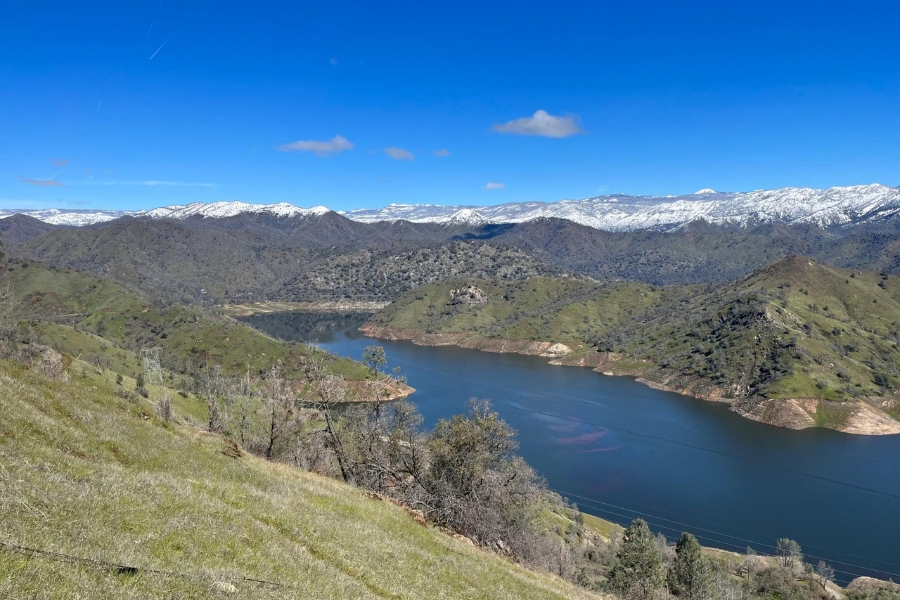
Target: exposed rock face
{"x":470,"y":295}
{"x":870,"y":585}
{"x":783,"y":413}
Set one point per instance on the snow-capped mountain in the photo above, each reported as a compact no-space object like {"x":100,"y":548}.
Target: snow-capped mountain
{"x":835,"y":206}
{"x":78,"y":218}
{"x":218,"y":210}
{"x":832,"y":207}
{"x":59,"y":216}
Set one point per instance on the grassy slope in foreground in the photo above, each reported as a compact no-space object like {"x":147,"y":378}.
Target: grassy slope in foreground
{"x":82,"y":473}
{"x":795,"y":343}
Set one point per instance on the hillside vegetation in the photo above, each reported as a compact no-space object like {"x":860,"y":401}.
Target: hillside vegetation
{"x":792,"y":330}
{"x":103,"y":321}
{"x":91,"y":475}
{"x":103,"y":498}
{"x":384,"y":275}
{"x":252,"y":257}
{"x":121,"y":481}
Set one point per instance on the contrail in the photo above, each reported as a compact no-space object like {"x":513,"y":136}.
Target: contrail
{"x":158,"y":49}
{"x":151,"y":28}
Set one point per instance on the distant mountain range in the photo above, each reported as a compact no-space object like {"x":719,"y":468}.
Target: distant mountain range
{"x":834,"y":207}
{"x":62,"y":216}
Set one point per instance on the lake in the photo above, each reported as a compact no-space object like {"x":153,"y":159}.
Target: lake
{"x":621,"y":450}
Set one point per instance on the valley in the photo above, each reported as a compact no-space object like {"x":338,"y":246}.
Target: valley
{"x":441,"y":301}
{"x":765,"y":343}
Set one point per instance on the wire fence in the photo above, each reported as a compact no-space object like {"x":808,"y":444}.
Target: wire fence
{"x":123,"y":569}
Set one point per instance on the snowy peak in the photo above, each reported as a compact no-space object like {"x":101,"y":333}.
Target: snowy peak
{"x":74,"y":218}
{"x":215,"y":210}
{"x":834,"y":207}
{"x":467,"y":216}
{"x":837,"y":206}
{"x":219,"y":210}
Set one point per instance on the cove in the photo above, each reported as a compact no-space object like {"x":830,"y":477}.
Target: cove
{"x":621,"y":450}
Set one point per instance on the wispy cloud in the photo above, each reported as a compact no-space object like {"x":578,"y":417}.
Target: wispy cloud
{"x":60,"y":162}
{"x":490,"y":185}
{"x":335,"y":145}
{"x":334,"y":62}
{"x":41,"y":182}
{"x":399,"y":153}
{"x":147,"y":183}
{"x":540,"y":123}
{"x":442,"y":153}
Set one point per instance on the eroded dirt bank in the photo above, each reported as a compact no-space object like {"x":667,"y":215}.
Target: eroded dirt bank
{"x":855,"y":417}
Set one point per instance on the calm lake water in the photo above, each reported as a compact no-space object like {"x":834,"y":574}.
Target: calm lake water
{"x":622,"y":450}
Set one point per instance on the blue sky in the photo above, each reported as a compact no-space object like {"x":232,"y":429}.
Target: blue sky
{"x":139,"y":104}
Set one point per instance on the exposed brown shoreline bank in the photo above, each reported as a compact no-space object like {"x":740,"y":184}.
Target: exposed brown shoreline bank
{"x":855,"y":417}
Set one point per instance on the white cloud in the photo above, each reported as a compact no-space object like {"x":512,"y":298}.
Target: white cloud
{"x":490,"y":185}
{"x":540,"y":123}
{"x":442,"y":153}
{"x":335,"y":145}
{"x":399,"y":153}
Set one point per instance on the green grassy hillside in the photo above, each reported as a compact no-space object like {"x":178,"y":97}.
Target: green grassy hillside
{"x":793,"y":329}
{"x":91,"y":475}
{"x":539,"y":308}
{"x":105,"y":318}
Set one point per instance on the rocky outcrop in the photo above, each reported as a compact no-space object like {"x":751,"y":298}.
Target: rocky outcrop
{"x":781,"y":413}
{"x":469,"y":294}
{"x":866,"y":420}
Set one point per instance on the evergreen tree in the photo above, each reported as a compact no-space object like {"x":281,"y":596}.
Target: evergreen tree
{"x":690,"y":576}
{"x":789,"y":553}
{"x":637,"y":573}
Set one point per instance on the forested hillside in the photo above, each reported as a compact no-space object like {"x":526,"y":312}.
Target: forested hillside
{"x":258,"y":257}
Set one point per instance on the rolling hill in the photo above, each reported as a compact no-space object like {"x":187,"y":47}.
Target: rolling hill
{"x":795,"y":343}
{"x":313,"y":257}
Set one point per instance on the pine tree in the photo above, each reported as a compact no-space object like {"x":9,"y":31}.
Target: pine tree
{"x":637,"y":573}
{"x":690,"y":576}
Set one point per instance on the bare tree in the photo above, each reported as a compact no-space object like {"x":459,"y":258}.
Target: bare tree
{"x":824,"y":573}
{"x":213,"y":389}
{"x":331,"y":390}
{"x":242,"y":393}
{"x":281,"y":405}
{"x":8,"y":320}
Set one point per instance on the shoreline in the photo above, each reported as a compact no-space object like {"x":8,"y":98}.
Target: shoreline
{"x":267,"y":308}
{"x":859,"y":417}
